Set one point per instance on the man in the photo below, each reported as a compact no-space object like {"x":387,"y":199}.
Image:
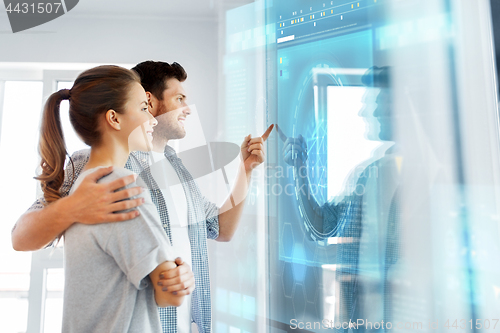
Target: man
{"x":95,"y":203}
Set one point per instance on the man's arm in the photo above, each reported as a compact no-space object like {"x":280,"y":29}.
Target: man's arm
{"x":295,"y":154}
{"x":325,"y":218}
{"x":91,"y":203}
{"x":252,"y":155}
{"x":232,"y":209}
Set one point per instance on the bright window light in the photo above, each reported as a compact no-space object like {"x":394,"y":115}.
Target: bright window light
{"x":18,"y":148}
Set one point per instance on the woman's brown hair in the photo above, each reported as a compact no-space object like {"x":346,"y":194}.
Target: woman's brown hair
{"x":94,"y":92}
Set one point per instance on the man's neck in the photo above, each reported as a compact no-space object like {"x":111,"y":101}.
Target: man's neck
{"x":160,"y":148}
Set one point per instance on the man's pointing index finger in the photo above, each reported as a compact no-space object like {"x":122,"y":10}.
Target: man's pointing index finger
{"x":266,"y":134}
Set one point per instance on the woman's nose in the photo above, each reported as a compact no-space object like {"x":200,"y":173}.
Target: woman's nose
{"x":152,"y":121}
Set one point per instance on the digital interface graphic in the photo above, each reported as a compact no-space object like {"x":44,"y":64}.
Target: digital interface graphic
{"x":347,"y":237}
{"x":304,"y":109}
{"x":323,"y":53}
{"x":303,"y":83}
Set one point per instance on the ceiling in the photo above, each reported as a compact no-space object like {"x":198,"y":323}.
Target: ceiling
{"x":180,"y":9}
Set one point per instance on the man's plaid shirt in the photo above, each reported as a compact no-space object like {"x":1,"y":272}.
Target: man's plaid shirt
{"x":202,"y":219}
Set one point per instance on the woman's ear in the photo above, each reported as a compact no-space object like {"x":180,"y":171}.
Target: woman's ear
{"x":113,"y":119}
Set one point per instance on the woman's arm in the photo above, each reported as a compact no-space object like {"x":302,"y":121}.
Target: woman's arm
{"x":164,"y":298}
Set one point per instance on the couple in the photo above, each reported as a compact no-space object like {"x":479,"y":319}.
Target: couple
{"x":116,"y":271}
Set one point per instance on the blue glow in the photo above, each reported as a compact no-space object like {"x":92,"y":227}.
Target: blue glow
{"x":235,"y":303}
{"x":221,"y":299}
{"x":221,"y":327}
{"x":249,"y":307}
{"x":299,"y":259}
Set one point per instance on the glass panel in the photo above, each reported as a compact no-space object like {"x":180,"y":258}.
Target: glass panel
{"x":380,"y":217}
{"x":18,"y":148}
{"x":240,"y":297}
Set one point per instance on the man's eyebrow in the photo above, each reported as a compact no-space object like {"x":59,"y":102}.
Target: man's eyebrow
{"x":145,"y":102}
{"x":179,"y":94}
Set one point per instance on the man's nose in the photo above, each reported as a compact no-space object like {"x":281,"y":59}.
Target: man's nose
{"x":187,"y":110}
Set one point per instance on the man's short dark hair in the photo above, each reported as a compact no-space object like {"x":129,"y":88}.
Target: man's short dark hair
{"x":154,"y":75}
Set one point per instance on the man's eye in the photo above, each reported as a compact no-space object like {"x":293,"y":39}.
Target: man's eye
{"x":145,"y":109}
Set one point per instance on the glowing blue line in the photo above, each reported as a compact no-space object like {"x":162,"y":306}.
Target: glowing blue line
{"x":314,"y":142}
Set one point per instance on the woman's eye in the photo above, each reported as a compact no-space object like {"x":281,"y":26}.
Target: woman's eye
{"x":145,"y":109}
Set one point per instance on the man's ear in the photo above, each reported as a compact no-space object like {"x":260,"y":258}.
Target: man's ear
{"x":153,"y":103}
{"x":150,"y":99}
{"x":113,"y":119}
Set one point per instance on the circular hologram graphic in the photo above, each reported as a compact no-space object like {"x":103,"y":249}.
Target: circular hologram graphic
{"x":311,"y":122}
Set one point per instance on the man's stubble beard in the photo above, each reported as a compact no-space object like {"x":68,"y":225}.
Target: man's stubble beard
{"x":165,"y":131}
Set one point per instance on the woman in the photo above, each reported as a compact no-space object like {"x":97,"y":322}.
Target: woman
{"x":112,"y":269}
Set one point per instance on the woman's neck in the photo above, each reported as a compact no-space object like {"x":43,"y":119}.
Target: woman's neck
{"x":109,"y":154}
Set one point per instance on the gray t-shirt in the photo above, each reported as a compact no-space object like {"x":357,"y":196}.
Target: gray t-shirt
{"x":107,"y":287}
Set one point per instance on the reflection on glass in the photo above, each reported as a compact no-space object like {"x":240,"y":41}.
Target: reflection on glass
{"x":363,"y":219}
{"x":376,"y":203}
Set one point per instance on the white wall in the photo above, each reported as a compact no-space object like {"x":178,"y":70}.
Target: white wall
{"x":102,"y":39}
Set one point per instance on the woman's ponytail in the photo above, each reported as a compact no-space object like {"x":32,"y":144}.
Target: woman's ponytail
{"x":52,"y":147}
